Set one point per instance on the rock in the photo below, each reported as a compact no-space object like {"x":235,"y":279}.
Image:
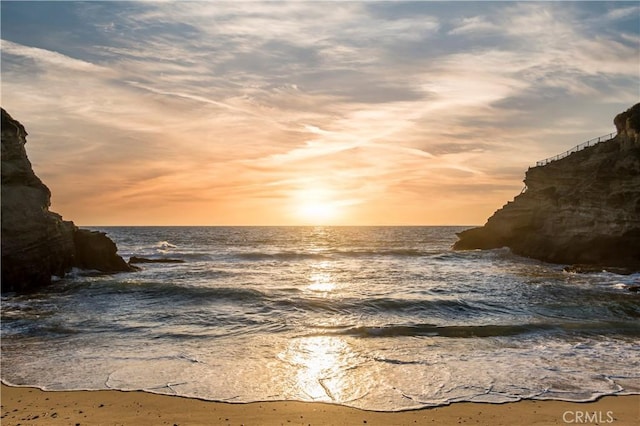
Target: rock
{"x":582,"y":209}
{"x":135,"y":259}
{"x":94,"y":250}
{"x":628,"y":125}
{"x":634,"y":288}
{"x":36,"y":243}
{"x":583,"y":269}
{"x":589,"y":269}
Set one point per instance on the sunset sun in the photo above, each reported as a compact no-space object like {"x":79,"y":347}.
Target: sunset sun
{"x":318,"y":211}
{"x":317,"y":206}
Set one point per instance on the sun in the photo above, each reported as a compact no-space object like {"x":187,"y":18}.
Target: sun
{"x":316,"y":206}
{"x":318,"y":212}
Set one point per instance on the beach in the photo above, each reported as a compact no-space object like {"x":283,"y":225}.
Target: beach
{"x":30,"y":406}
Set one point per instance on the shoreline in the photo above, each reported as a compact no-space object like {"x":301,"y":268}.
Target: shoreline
{"x":32,"y":406}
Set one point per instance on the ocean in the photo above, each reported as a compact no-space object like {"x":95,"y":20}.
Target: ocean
{"x":379,"y":318}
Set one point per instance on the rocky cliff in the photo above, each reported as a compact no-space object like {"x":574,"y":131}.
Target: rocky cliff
{"x":37,"y":243}
{"x":584,"y":208}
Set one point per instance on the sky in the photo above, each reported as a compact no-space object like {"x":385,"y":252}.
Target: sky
{"x":308,"y":112}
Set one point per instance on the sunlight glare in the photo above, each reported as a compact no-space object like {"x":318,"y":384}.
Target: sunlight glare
{"x":318,"y":212}
{"x":317,"y":206}
{"x":322,"y":363}
{"x":321,"y":282}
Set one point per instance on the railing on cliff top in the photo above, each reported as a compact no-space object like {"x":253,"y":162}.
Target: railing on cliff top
{"x":577,"y":148}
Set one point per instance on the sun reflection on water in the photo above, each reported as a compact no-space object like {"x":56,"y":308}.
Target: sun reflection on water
{"x":322,"y":368}
{"x":321,"y":278}
{"x":322,"y":282}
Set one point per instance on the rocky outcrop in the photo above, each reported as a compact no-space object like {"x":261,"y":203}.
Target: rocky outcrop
{"x":584,"y":208}
{"x":94,"y":250}
{"x":627,"y":124}
{"x":37,"y":243}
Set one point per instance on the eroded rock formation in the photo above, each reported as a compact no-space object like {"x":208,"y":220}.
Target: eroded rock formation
{"x":37,"y":243}
{"x":94,"y":250}
{"x":584,"y":208}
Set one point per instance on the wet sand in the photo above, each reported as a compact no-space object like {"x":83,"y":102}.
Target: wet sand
{"x":29,"y":406}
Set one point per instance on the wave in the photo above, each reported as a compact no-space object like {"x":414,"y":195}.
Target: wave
{"x":284,"y":300}
{"x":164,"y":245}
{"x":404,"y":307}
{"x":188,"y":257}
{"x":481,"y":331}
{"x":282,"y":256}
{"x":404,"y":252}
{"x":328,"y":254}
{"x":444,"y":331}
{"x":185,"y":293}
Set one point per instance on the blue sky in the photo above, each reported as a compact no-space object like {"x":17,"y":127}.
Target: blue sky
{"x":303,"y":112}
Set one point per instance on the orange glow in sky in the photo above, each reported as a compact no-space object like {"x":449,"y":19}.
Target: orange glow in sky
{"x":260,"y":113}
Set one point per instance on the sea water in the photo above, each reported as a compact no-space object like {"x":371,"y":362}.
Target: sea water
{"x":380,"y":318}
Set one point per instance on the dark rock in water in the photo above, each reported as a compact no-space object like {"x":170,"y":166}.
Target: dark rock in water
{"x":583,"y":269}
{"x":582,"y":209}
{"x":36,"y":243}
{"x":634,"y":288}
{"x":588,"y":269}
{"x":135,"y":259}
{"x":94,"y":250}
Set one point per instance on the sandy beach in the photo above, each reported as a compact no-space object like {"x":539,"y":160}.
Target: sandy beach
{"x":29,"y":406}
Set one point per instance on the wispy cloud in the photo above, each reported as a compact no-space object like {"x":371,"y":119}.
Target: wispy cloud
{"x":474,"y":25}
{"x":46,"y":58}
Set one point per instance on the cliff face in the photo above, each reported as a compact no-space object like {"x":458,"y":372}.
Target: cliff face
{"x":37,"y":243}
{"x":584,"y":208}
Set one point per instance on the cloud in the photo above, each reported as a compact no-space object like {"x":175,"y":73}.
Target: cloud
{"x":221,"y":107}
{"x":46,"y":58}
{"x":474,"y":25}
{"x":621,"y":13}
